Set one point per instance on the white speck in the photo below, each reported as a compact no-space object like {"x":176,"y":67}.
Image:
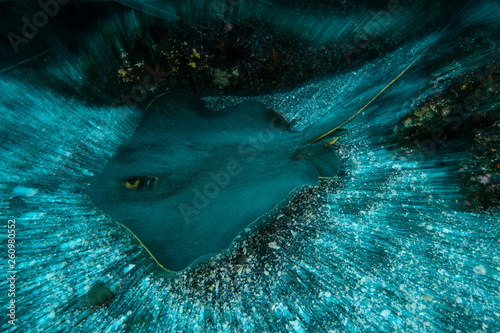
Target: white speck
{"x":24,"y":191}
{"x":385,"y":313}
{"x":295,"y":325}
{"x":273,"y":245}
{"x":87,"y":172}
{"x":69,"y":245}
{"x":128,"y":268}
{"x":429,"y":227}
{"x":479,"y":269}
{"x":459,"y":300}
{"x":328,"y":294}
{"x":33,"y":215}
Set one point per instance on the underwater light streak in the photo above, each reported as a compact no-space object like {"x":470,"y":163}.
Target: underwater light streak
{"x":365,"y":106}
{"x":388,"y":246}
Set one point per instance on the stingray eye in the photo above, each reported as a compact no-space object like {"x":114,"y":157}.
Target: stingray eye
{"x":141,"y":183}
{"x":133,"y":183}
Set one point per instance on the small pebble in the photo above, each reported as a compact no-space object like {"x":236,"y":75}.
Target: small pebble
{"x":479,"y":269}
{"x":24,"y":191}
{"x":385,"y":313}
{"x":273,"y":245}
{"x":241,"y":259}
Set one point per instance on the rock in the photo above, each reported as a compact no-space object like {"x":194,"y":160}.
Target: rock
{"x":99,"y":295}
{"x":479,"y":269}
{"x":273,"y":245}
{"x":24,"y":191}
{"x":241,"y":259}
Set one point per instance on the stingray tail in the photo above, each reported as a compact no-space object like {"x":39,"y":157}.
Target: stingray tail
{"x":319,"y":151}
{"x":332,"y":133}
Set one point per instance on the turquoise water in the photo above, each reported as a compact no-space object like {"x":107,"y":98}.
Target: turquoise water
{"x":392,"y":243}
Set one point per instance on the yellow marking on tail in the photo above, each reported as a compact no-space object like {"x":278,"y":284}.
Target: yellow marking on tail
{"x":331,"y":142}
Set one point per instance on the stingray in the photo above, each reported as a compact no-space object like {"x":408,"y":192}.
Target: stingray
{"x":190,"y":179}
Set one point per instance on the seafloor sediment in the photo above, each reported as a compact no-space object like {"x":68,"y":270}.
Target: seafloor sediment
{"x":405,"y":238}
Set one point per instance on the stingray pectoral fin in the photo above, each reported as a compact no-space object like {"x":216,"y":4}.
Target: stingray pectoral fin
{"x":183,"y":110}
{"x":277,"y":117}
{"x":255,"y":116}
{"x":323,"y":158}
